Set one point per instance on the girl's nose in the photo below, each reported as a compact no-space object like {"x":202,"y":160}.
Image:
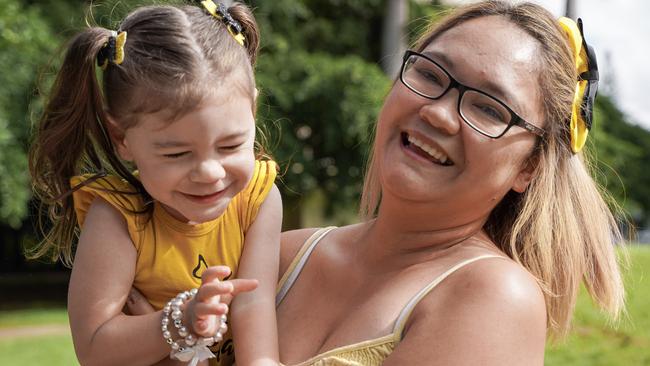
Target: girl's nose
{"x":208,"y":171}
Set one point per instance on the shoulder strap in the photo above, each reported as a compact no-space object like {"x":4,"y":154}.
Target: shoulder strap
{"x":298,"y":263}
{"x":408,"y":308}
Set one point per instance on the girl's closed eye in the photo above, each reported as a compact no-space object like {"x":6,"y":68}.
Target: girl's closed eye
{"x":176,"y":155}
{"x":231,"y":147}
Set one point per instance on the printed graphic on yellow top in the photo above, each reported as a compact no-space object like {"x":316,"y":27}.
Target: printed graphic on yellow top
{"x":171,"y":255}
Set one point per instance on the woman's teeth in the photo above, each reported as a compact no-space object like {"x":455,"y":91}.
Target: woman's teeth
{"x":436,"y":154}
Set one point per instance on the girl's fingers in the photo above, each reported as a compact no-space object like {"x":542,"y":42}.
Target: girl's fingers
{"x":205,"y":310}
{"x":215,"y":273}
{"x":240,"y":285}
{"x":208,"y":292}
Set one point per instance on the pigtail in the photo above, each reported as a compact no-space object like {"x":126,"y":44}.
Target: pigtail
{"x":250,"y":30}
{"x":64,"y":142}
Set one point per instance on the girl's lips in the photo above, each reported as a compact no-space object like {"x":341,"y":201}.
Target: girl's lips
{"x":204,"y":199}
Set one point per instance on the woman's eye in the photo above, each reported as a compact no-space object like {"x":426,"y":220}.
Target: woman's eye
{"x":491,"y":113}
{"x":430,"y":76}
{"x":175,"y":155}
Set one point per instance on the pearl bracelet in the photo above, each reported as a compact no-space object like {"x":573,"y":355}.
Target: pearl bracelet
{"x":189,"y":348}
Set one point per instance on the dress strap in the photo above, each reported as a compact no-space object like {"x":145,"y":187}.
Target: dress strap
{"x":298,"y":263}
{"x":403,"y":317}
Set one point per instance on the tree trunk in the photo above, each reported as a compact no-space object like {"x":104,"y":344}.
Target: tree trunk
{"x":394,"y":36}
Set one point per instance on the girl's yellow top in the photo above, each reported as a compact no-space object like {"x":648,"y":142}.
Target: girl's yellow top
{"x":171,"y":255}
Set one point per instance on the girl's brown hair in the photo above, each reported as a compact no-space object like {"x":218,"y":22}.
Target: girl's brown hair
{"x":174,"y":58}
{"x":561,"y":228}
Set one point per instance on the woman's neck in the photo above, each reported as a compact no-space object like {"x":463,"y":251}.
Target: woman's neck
{"x":417,"y":233}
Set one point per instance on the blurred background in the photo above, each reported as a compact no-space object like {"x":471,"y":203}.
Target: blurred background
{"x":324,"y":69}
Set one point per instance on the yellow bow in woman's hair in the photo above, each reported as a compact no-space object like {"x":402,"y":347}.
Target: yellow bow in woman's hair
{"x":587,"y":83}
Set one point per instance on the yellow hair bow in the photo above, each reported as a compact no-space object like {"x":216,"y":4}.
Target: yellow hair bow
{"x":113,"y":50}
{"x":221,"y":12}
{"x":587,"y":83}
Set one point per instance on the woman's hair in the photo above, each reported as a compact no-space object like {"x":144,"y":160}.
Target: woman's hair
{"x":175,"y":57}
{"x":560,"y":229}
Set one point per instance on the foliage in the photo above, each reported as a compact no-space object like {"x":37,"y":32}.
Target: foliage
{"x":622,"y":149}
{"x":321,"y":89}
{"x":26,"y":43}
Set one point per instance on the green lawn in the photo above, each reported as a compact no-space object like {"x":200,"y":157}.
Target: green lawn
{"x":592,"y":343}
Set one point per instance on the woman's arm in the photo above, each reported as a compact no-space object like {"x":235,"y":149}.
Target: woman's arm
{"x":490,"y":313}
{"x":253,"y":314}
{"x":101,"y":279}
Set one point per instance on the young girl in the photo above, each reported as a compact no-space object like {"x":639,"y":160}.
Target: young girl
{"x":177,"y":103}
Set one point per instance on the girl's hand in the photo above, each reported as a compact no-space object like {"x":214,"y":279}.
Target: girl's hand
{"x":211,"y":301}
{"x":137,"y":304}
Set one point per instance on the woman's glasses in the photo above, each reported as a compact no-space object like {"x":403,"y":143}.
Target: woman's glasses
{"x":484,"y":113}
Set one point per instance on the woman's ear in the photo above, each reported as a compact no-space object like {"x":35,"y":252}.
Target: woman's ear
{"x":117,"y":136}
{"x":526,"y":175}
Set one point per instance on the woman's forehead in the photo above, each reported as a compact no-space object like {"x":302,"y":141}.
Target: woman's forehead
{"x":492,"y":54}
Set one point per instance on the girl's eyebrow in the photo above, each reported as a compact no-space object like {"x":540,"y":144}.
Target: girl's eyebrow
{"x":175,"y":144}
{"x":169,"y":144}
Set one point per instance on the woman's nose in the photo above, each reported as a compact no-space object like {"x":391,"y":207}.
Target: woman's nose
{"x":208,"y":171}
{"x":443,"y":113}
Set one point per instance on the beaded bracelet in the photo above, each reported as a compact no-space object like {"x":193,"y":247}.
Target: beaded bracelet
{"x":191,"y":349}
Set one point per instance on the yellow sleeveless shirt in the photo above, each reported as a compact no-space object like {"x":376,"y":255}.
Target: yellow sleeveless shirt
{"x":171,"y":255}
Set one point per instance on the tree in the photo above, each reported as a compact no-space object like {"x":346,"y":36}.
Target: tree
{"x":26,"y":44}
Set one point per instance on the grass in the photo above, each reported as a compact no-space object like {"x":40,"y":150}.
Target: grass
{"x":32,"y":316}
{"x":45,"y":350}
{"x":593,"y":342}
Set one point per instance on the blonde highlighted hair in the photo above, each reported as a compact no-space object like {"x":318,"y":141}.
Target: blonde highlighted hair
{"x":561,"y":229}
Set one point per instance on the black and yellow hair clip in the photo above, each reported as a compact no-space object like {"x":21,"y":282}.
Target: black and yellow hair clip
{"x":587,"y":83}
{"x":113,"y":50}
{"x":221,"y":12}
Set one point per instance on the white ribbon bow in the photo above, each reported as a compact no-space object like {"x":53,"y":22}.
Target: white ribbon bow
{"x":194,"y":354}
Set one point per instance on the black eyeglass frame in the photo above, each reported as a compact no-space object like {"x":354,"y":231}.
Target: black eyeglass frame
{"x":515,"y":120}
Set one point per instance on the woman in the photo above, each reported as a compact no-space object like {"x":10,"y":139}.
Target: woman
{"x":481,"y":220}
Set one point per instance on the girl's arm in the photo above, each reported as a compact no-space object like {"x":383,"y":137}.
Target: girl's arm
{"x":101,"y":279}
{"x":253,"y":314}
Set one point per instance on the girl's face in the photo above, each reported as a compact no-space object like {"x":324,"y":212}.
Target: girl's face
{"x":463,"y":173}
{"x":195,"y":165}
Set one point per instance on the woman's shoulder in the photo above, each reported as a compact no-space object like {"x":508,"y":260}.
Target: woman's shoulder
{"x":491,"y":302}
{"x":294,"y":240}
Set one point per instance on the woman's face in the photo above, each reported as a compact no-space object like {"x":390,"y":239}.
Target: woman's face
{"x":463,"y":173}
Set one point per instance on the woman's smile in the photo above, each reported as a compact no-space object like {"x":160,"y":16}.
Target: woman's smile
{"x":424,"y":150}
